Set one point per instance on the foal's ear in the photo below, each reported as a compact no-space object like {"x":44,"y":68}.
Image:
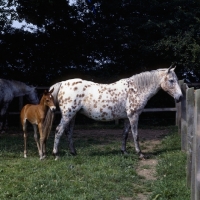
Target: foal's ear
{"x":51,"y":90}
{"x":45,"y":92}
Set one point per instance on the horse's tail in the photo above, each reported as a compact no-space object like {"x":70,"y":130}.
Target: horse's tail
{"x":48,"y":121}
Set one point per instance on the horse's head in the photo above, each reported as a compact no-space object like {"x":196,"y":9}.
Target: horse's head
{"x":49,"y":100}
{"x":32,"y":96}
{"x":170,"y":84}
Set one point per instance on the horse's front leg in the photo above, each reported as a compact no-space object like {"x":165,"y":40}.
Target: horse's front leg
{"x":125,"y":135}
{"x":134,"y":128}
{"x":59,"y":131}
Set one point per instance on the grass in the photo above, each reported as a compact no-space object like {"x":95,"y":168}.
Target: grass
{"x":171,"y":170}
{"x":98,"y":171}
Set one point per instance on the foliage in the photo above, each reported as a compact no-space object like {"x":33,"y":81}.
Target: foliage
{"x":99,"y":40}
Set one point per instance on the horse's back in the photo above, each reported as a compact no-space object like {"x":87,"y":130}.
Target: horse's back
{"x":97,"y":101}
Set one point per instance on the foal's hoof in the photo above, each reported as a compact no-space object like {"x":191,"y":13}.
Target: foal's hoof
{"x":42,"y":157}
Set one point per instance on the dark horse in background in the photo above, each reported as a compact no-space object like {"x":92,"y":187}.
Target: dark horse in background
{"x":10,"y":89}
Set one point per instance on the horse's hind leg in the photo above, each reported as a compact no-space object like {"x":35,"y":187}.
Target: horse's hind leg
{"x":59,"y":131}
{"x":125,"y":135}
{"x":3,"y":116}
{"x":69,"y":133}
{"x":37,"y":139}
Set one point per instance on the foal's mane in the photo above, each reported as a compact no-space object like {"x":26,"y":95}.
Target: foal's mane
{"x":146,"y":79}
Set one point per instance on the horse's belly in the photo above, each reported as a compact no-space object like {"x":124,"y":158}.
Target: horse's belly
{"x":104,"y":115}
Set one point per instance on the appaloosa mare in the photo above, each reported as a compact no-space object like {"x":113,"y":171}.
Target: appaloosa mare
{"x":10,"y":89}
{"x":124,"y":99}
{"x":35,"y":114}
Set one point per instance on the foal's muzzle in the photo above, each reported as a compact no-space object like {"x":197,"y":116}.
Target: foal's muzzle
{"x":52,"y":108}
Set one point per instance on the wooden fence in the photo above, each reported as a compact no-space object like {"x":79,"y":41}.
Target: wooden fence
{"x":189,"y":127}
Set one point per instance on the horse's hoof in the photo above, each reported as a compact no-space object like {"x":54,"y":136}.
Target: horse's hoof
{"x":124,"y":152}
{"x":141,"y":156}
{"x":57,"y":157}
{"x":73,"y":153}
{"x":25,"y":156}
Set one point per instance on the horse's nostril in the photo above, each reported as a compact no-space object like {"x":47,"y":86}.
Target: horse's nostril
{"x":180,"y":99}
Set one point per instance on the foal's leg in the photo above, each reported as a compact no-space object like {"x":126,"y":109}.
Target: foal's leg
{"x":125,"y":135}
{"x":24,"y":127}
{"x":134,"y":128}
{"x":44,"y":148}
{"x":42,"y":142}
{"x":69,"y":133}
{"x":59,"y":131}
{"x":37,"y":139}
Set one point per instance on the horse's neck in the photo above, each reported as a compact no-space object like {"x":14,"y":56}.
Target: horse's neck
{"x":146,"y":86}
{"x":19,"y":89}
{"x":42,"y":105}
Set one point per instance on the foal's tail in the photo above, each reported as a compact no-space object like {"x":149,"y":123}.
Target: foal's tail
{"x":48,"y":121}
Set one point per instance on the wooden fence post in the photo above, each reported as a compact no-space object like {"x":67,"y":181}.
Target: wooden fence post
{"x":197,"y":163}
{"x":178,"y":111}
{"x":196,"y":146}
{"x":190,"y":131}
{"x":183,"y":119}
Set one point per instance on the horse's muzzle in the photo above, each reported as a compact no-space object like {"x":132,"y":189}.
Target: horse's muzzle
{"x":179,"y":99}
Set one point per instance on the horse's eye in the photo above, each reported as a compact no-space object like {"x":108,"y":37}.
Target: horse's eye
{"x":171,"y":81}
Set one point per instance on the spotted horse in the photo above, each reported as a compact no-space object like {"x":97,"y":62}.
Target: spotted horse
{"x":124,"y":99}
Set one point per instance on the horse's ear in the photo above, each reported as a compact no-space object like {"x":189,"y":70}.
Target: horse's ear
{"x":51,"y":90}
{"x":45,"y":92}
{"x":171,"y":68}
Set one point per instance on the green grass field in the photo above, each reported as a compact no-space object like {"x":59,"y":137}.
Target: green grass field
{"x":171,"y":170}
{"x":99,"y":171}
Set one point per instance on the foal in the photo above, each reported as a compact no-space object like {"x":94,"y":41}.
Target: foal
{"x":36,"y":114}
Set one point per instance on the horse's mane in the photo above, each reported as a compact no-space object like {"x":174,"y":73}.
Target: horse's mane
{"x":13,"y":83}
{"x":146,"y":79}
{"x":18,"y":83}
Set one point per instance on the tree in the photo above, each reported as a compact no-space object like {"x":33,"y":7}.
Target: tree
{"x":99,"y":40}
